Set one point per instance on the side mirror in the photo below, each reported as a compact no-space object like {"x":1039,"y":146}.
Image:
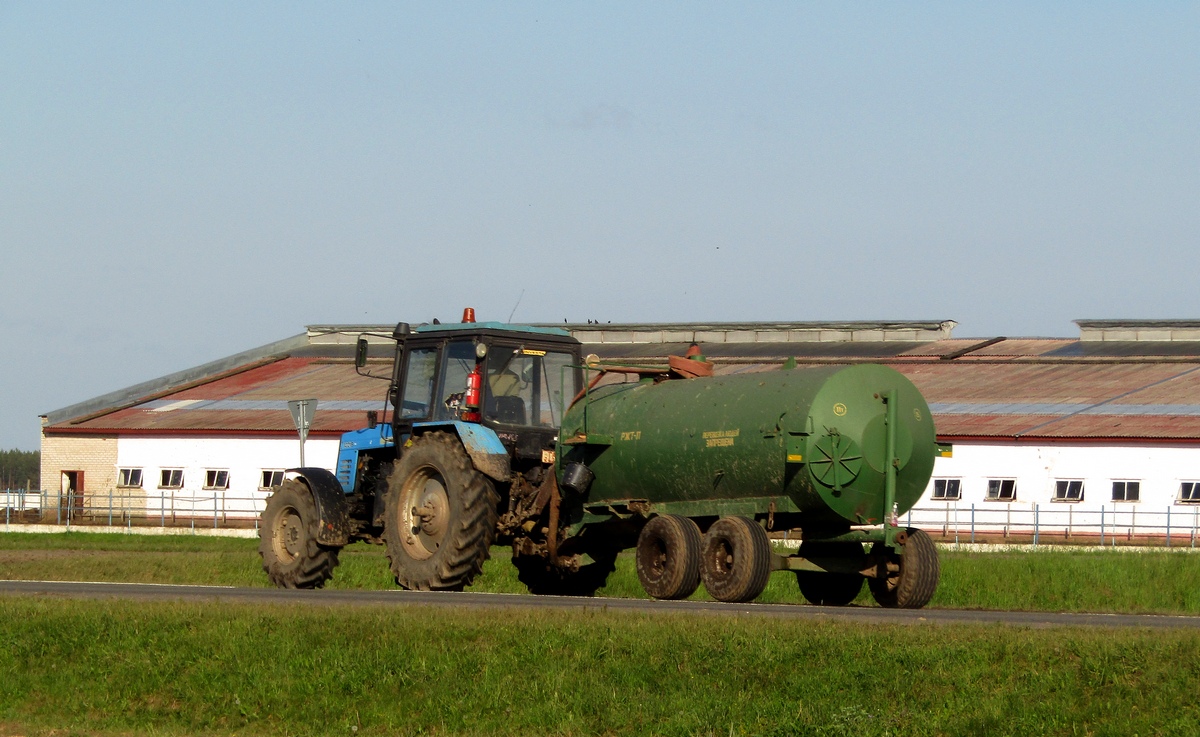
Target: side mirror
{"x":360,"y":353}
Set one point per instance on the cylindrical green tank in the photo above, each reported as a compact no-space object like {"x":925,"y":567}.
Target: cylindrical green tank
{"x":816,"y":437}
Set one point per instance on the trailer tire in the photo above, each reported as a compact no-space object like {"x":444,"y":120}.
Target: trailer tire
{"x":735,"y":559}
{"x":439,"y":516}
{"x":291,"y":555}
{"x":830,"y":588}
{"x":913,"y":586}
{"x":668,"y":557}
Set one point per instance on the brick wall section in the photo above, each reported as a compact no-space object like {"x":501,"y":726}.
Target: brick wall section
{"x":95,"y":455}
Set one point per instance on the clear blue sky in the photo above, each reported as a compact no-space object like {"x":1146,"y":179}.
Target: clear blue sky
{"x":182,"y":181}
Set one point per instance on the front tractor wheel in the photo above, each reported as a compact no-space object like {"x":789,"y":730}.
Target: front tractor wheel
{"x":291,"y":555}
{"x":906,"y":581}
{"x":440,"y":516}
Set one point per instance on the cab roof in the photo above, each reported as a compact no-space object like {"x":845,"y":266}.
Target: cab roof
{"x":492,"y":328}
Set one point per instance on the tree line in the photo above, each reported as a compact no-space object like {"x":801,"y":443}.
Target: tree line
{"x":20,"y":468}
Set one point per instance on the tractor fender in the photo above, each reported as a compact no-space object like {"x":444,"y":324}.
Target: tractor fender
{"x":487,"y":453}
{"x":333,"y":508}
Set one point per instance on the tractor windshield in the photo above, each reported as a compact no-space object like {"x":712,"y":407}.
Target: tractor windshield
{"x":529,"y":387}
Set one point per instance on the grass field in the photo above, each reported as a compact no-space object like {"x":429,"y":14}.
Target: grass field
{"x":1166,"y":582}
{"x":125,"y":668}
{"x":103,"y":668}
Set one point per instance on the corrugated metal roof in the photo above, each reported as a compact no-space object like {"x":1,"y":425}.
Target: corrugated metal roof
{"x":252,"y":401}
{"x":1127,"y":349}
{"x":1012,"y":389}
{"x":845,"y":349}
{"x":1061,"y":400}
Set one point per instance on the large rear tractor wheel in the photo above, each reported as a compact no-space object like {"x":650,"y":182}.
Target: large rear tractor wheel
{"x":668,"y":557}
{"x":825,"y":588}
{"x":912,"y":586}
{"x":440,"y":516}
{"x":735,"y":559}
{"x":291,"y":555}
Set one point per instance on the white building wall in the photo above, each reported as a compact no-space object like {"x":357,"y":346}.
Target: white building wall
{"x":244,"y":459}
{"x":1159,"y":469}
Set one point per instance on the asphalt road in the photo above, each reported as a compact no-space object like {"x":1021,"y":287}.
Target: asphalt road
{"x":396,"y":597}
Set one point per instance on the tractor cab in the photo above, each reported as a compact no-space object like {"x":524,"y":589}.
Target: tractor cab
{"x":513,"y":380}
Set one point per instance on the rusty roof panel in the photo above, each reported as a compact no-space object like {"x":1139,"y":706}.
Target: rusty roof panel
{"x":325,"y":421}
{"x":969,"y":398}
{"x":1050,"y":382}
{"x":237,"y":383}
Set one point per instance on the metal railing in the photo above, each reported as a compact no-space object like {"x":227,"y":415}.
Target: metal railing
{"x":1060,"y":523}
{"x":133,"y":508}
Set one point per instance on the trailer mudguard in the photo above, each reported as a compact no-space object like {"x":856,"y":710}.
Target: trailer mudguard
{"x":333,"y":508}
{"x":481,"y":443}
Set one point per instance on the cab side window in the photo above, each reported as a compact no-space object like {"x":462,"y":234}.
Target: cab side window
{"x":459,"y":361}
{"x":418,"y":384}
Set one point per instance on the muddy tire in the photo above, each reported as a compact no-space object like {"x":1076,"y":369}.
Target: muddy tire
{"x":440,"y":516}
{"x":291,"y":555}
{"x":668,"y":557}
{"x":914,"y":584}
{"x":543,"y":579}
{"x":735,"y":559}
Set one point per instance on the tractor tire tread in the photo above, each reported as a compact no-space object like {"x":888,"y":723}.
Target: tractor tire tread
{"x":470,"y":539}
{"x":310,"y":570}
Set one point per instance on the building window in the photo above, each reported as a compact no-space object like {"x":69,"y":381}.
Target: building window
{"x":130,"y":478}
{"x":271,"y":479}
{"x":1189,"y":492}
{"x":170,"y":478}
{"x":1068,"y":491}
{"x":214,"y":479}
{"x":1126,"y":491}
{"x":947,"y":489}
{"x":1002,"y":490}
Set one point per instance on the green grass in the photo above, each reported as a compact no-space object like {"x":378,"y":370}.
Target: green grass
{"x":102,"y":668}
{"x":1045,"y":580}
{"x":121,"y":668}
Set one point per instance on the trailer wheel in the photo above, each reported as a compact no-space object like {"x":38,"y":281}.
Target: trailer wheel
{"x":440,"y":516}
{"x":829,"y":589}
{"x":291,"y":555}
{"x":913,"y":585}
{"x":825,"y":588}
{"x":735,"y":559}
{"x":668,"y":557}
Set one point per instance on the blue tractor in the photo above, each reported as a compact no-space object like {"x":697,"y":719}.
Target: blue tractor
{"x":463,"y":459}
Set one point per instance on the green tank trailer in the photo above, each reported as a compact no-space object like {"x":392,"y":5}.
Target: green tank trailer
{"x":831,"y":454}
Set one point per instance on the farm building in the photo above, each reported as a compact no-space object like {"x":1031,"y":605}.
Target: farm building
{"x":1062,"y":438}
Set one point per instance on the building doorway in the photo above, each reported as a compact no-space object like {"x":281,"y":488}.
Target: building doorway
{"x":70,"y":501}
